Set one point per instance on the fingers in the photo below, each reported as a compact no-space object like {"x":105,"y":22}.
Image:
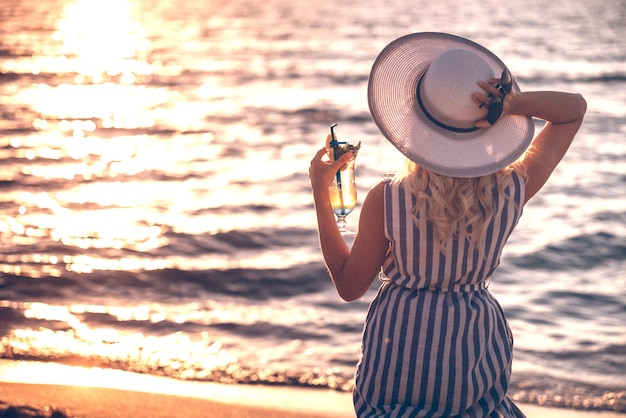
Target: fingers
{"x":480,"y":99}
{"x":346,"y":157}
{"x":322,"y":171}
{"x":320,"y":167}
{"x":492,"y":90}
{"x":317,"y":163}
{"x":343,"y":159}
{"x":318,"y":156}
{"x":320,"y":153}
{"x":483,"y":124}
{"x":489,"y":87}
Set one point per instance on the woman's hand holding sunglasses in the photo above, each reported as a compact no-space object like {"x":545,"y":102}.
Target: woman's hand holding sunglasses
{"x":497,"y":91}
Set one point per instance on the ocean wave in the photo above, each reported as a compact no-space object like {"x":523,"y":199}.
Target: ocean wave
{"x":169,"y":284}
{"x":564,"y":393}
{"x":611,"y":75}
{"x":602,"y":78}
{"x":585,"y":251}
{"x":580,"y":304}
{"x":231,"y":242}
{"x":253,"y":284}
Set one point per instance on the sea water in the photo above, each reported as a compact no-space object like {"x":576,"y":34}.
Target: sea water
{"x":155,"y":209}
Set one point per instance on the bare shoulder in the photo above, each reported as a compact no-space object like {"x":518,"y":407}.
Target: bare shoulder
{"x":375,"y":198}
{"x":373,"y":210}
{"x":378,"y":190}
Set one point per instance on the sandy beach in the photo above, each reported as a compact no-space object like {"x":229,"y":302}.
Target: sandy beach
{"x":29,"y":389}
{"x":90,"y":402}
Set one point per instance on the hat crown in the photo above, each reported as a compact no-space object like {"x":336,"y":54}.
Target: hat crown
{"x":446,"y":88}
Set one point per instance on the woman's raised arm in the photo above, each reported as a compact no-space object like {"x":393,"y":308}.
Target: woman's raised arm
{"x":563,"y":113}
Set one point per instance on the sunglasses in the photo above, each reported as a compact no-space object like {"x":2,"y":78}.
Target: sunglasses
{"x":497,"y":102}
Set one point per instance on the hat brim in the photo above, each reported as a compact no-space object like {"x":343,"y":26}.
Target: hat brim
{"x":394,"y":107}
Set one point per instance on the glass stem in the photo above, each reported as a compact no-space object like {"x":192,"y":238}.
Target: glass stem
{"x":341,"y":222}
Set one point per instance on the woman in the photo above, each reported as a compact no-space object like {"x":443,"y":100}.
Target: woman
{"x":436,"y":343}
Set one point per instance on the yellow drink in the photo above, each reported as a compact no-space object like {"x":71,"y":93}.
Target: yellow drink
{"x":343,"y":197}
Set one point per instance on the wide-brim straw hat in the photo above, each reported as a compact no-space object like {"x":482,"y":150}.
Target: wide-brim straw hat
{"x":451,"y":145}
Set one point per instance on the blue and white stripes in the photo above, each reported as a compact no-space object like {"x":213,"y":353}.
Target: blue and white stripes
{"x":436,"y":343}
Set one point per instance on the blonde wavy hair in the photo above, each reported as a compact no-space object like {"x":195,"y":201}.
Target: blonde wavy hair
{"x":454,"y":205}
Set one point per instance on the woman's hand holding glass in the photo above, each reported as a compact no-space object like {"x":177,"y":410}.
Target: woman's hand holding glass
{"x":323,"y":175}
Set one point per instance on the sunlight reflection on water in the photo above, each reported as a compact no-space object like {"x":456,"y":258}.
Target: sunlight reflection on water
{"x":101,"y":37}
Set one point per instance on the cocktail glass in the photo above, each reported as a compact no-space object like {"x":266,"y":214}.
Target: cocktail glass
{"x":343,"y":195}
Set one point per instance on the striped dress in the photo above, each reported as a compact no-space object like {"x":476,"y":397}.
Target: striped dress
{"x":436,"y":342}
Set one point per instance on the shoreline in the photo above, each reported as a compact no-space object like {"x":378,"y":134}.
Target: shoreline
{"x":103,"y":393}
{"x":43,"y":400}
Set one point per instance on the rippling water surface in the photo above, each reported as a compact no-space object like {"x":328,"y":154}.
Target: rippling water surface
{"x":155,"y":213}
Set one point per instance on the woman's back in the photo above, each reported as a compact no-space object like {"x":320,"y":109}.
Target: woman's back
{"x":414,"y":260}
